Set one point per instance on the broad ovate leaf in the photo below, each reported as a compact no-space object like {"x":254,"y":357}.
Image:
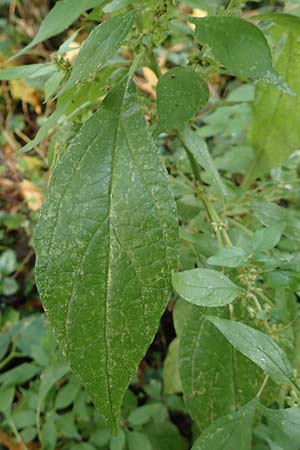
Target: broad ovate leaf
{"x":231,"y":432}
{"x":106,"y":244}
{"x":181,"y":93}
{"x":241,"y":47}
{"x":101,"y":44}
{"x":274,"y":130}
{"x":215,"y":378}
{"x":205,"y":287}
{"x":257,"y":346}
{"x":60,"y":17}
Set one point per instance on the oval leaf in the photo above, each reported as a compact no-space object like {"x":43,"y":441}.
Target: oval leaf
{"x":258,"y":347}
{"x":216,"y":379}
{"x":229,"y":257}
{"x":240,"y":46}
{"x":205,"y":287}
{"x":181,"y":92}
{"x":106,"y":243}
{"x":233,"y":431}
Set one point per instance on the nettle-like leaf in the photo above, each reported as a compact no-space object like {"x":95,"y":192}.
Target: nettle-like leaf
{"x":205,"y":287}
{"x":106,"y":244}
{"x":233,"y":431}
{"x":241,"y":47}
{"x":61,"y":16}
{"x":274,"y":130}
{"x":257,"y":346}
{"x":181,"y":93}
{"x":101,"y":44}
{"x":215,"y":378}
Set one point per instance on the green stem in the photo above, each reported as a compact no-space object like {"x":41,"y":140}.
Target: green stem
{"x":16,"y":433}
{"x":9,"y":358}
{"x":261,"y":389}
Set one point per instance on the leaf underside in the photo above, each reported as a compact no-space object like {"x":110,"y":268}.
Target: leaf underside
{"x":106,"y":244}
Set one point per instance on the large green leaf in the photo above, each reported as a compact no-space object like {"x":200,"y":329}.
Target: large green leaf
{"x":215,"y":378}
{"x":181,"y":92}
{"x":205,"y":287}
{"x":101,"y":44}
{"x":274,"y":133}
{"x":231,"y":432}
{"x":106,"y":243}
{"x":257,"y":346}
{"x":61,"y":16}
{"x":240,"y":46}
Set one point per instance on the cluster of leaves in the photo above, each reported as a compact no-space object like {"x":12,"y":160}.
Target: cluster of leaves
{"x":107,"y":240}
{"x":41,"y":398}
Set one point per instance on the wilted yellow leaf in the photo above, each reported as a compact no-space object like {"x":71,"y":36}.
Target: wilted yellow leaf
{"x":20,"y":90}
{"x":32,"y":194}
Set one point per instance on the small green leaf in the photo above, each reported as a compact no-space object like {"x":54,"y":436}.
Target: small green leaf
{"x":51,"y":375}
{"x":138,"y":441}
{"x":61,"y":16}
{"x":241,"y":47}
{"x":101,"y":44}
{"x":20,"y":374}
{"x":258,"y":347}
{"x":100,"y":437}
{"x":67,"y":394}
{"x":205,"y":287}
{"x":52,"y":84}
{"x":171,"y":376}
{"x":286,"y":420}
{"x":229,"y":257}
{"x":273,"y":133}
{"x":181,"y":93}
{"x":49,"y":434}
{"x":8,"y":262}
{"x":267,"y":238}
{"x":146,"y":413}
{"x":118,"y":442}
{"x":114,"y":264}
{"x":231,"y":432}
{"x":269,"y":213}
{"x":165,"y":436}
{"x":198,"y":148}
{"x":6,"y":398}
{"x":9,"y":286}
